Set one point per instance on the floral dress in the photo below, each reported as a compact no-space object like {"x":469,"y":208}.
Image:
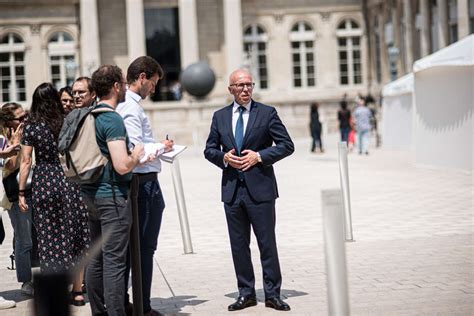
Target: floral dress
{"x":59,"y":215}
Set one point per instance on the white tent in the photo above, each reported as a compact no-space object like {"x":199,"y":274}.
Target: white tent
{"x":443,"y":129}
{"x":397,"y":113}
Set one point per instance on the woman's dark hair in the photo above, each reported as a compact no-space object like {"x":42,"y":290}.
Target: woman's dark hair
{"x":46,"y":107}
{"x":314,"y":107}
{"x":66,"y":89}
{"x":7,"y":112}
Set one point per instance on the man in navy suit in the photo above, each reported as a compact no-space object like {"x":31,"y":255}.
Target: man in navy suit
{"x":245,"y":140}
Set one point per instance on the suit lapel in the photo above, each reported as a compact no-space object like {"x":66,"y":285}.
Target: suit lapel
{"x":252,"y":117}
{"x":228,"y":124}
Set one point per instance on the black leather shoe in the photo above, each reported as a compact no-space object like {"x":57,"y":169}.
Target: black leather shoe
{"x":242,"y":302}
{"x":277,"y":303}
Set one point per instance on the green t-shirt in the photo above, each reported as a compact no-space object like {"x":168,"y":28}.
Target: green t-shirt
{"x":109,"y":127}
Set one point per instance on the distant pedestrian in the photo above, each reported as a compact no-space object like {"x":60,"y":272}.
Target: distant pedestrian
{"x":351,"y":138}
{"x":344,"y":118}
{"x":315,"y":128}
{"x":370,"y":102}
{"x":176,"y":90}
{"x":362,"y":116}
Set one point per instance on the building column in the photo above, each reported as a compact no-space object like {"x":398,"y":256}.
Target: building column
{"x":409,"y":25}
{"x":384,"y":62}
{"x":425,"y":28}
{"x":188,"y":32}
{"x":135,"y":29}
{"x":463,"y":18}
{"x":443,"y":23}
{"x":233,"y":35}
{"x":395,"y":12}
{"x":372,"y":37}
{"x":90,"y":44}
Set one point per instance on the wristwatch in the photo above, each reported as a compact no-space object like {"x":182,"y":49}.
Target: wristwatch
{"x":259,"y":159}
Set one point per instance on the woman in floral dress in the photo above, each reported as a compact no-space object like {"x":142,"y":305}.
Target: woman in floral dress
{"x":59,"y":214}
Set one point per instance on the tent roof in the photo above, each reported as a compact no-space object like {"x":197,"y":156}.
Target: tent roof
{"x":460,"y":53}
{"x":402,"y":85}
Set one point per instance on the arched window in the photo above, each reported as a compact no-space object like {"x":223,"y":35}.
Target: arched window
{"x":302,"y":37}
{"x":12,"y":68}
{"x":255,"y":45}
{"x":62,"y":61}
{"x":350,"y":57}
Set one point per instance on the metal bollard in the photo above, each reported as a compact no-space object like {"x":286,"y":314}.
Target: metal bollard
{"x":335,"y":253}
{"x":180,"y":201}
{"x":344,"y":179}
{"x":135,"y":251}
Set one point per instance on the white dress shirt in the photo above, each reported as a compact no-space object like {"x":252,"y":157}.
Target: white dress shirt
{"x":235,"y":115}
{"x":139,"y":129}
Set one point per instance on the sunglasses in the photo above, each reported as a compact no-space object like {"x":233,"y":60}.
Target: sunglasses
{"x":20,"y":119}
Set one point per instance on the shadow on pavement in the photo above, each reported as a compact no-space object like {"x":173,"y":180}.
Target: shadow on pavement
{"x":173,"y":305}
{"x":261,"y":295}
{"x":15,"y":295}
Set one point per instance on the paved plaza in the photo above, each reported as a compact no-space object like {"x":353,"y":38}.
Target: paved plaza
{"x":412,"y":254}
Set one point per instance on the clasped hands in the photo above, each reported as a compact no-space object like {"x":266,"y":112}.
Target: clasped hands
{"x":244,"y":162}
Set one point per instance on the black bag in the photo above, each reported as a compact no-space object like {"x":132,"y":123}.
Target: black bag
{"x":10,"y":185}
{"x":2,"y":231}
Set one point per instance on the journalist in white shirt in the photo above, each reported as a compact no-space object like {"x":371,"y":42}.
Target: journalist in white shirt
{"x":142,"y":77}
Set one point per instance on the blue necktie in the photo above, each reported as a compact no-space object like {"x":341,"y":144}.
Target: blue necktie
{"x":239,"y":130}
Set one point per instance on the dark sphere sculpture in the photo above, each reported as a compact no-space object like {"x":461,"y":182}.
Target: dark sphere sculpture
{"x":198,"y":79}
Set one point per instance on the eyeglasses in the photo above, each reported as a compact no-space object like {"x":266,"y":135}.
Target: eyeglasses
{"x":241,"y":86}
{"x":79,"y":93}
{"x":19,"y":119}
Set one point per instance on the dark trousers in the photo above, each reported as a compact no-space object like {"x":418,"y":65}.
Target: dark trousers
{"x":22,"y":227}
{"x":109,"y":223}
{"x":150,"y":212}
{"x":242,"y":214}
{"x":345,"y":133}
{"x":316,"y":142}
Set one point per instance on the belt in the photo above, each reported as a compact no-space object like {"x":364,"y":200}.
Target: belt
{"x":145,"y":177}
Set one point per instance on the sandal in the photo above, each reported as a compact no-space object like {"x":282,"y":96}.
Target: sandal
{"x":75,"y":302}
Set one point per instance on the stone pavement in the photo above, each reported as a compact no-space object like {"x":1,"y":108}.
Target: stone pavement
{"x":412,"y":255}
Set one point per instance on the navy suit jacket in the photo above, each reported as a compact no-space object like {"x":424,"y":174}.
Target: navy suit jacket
{"x":266,"y":134}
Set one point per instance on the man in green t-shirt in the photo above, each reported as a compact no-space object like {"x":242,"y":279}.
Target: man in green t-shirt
{"x":106,"y":199}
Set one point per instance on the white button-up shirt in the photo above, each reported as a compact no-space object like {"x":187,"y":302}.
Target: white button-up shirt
{"x":138,"y":129}
{"x":236,"y":113}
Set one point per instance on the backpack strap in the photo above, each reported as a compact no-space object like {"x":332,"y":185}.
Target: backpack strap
{"x":102,"y":110}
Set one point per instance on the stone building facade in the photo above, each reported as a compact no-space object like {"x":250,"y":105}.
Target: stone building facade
{"x":299,"y":51}
{"x":403,"y":31}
